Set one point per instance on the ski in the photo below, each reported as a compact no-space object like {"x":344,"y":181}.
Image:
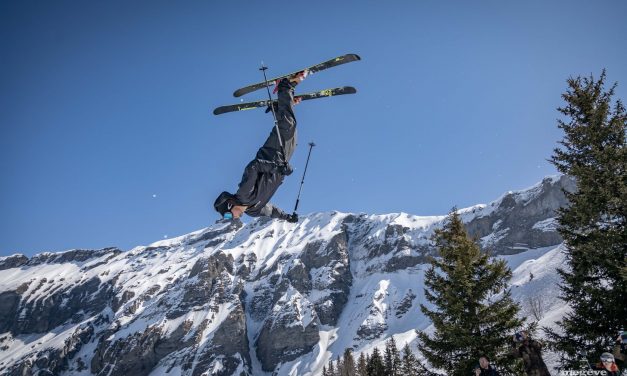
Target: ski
{"x":318,"y":94}
{"x":313,"y":69}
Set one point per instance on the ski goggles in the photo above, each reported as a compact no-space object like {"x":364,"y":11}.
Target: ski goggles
{"x":228,"y":214}
{"x":607,"y":359}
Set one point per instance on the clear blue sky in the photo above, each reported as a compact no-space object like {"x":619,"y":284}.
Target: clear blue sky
{"x":107,"y":136}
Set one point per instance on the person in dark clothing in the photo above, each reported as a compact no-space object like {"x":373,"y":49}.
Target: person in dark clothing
{"x":531,"y":353}
{"x":484,"y":368}
{"x":608,"y":365}
{"x":264,"y":174}
{"x":620,"y":349}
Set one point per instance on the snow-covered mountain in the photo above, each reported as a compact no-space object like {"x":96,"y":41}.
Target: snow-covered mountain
{"x":268,"y":297}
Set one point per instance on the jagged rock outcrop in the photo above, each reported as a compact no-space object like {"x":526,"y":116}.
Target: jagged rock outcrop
{"x":54,"y":360}
{"x":291,"y":331}
{"x":405,"y":304}
{"x":41,"y":306}
{"x":328,"y":267}
{"x":229,"y":346}
{"x":14,"y":261}
{"x":136,"y":354}
{"x":74,"y":256}
{"x":523,"y":220}
{"x":9,"y":301}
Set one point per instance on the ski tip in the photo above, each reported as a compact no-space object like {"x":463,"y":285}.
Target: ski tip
{"x":250,"y":89}
{"x":354,"y":56}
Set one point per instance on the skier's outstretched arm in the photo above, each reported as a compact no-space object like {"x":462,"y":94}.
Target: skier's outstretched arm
{"x":284,"y":98}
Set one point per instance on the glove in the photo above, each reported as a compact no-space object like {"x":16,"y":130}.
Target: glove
{"x":286,"y":169}
{"x":276,"y":107}
{"x":292,"y":218}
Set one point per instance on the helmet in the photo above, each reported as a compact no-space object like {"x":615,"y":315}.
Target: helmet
{"x":224,"y":203}
{"x":607,"y":357}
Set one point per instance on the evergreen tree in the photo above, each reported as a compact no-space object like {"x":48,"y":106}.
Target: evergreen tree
{"x":391,"y":357}
{"x":324,"y":371}
{"x":348,"y":363}
{"x":339,"y":368}
{"x":474,"y":312}
{"x":409,"y":364}
{"x":331,"y":369}
{"x":362,"y":364}
{"x":375,"y":365}
{"x":594,"y":152}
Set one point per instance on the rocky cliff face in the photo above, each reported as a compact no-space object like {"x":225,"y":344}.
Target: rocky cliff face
{"x":265,"y":297}
{"x":522,"y":220}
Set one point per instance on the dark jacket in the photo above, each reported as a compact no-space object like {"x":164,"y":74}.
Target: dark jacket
{"x":531,"y":353}
{"x":264,"y":174}
{"x":488,"y":372}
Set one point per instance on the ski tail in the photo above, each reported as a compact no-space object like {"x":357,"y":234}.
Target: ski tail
{"x":328,"y":93}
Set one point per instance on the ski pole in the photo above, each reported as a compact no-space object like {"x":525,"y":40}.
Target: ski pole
{"x":276,"y":122}
{"x":311,"y":145}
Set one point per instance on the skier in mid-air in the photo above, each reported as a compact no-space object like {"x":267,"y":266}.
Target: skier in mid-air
{"x":264,"y":174}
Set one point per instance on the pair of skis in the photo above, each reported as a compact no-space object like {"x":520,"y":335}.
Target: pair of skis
{"x":315,"y":95}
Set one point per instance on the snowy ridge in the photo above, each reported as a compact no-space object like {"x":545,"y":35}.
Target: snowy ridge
{"x":267,"y":297}
{"x":522,"y":196}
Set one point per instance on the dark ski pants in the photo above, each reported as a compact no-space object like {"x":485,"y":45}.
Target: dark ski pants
{"x":260,"y":181}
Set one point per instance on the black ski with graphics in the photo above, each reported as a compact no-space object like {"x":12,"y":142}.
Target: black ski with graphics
{"x":318,"y":94}
{"x":310,"y":70}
